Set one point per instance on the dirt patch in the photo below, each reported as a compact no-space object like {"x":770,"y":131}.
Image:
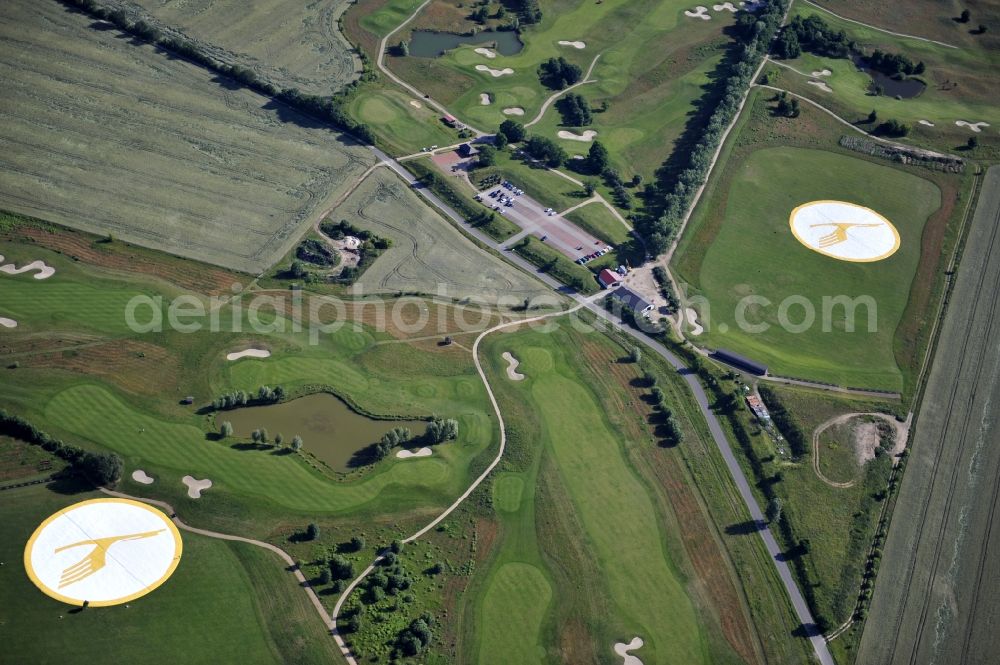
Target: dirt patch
{"x":126,"y":363}
{"x":118,"y":256}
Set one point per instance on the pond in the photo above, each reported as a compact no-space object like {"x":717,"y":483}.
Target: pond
{"x":330,"y":429}
{"x":905,"y":88}
{"x":431,"y":44}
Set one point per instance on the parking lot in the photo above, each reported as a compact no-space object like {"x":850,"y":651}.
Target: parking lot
{"x":537,"y":220}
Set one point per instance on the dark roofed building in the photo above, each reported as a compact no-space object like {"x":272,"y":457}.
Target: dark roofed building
{"x":740,"y":362}
{"x":467,"y":150}
{"x":632,"y":300}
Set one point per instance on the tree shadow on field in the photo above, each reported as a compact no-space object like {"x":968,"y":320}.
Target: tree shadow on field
{"x":227,"y":82}
{"x":286,"y":113}
{"x":745,"y":528}
{"x":807,"y":630}
{"x":251,"y":446}
{"x":69,"y":483}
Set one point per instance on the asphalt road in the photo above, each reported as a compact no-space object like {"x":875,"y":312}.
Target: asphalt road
{"x":784,"y":572}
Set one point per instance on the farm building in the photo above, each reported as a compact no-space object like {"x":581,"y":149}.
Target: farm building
{"x":467,"y":150}
{"x":632,"y":300}
{"x":740,"y":362}
{"x":608,"y":278}
{"x":449,"y":119}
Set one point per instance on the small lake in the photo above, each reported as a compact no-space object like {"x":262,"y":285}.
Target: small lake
{"x":907,"y":88}
{"x":431,"y":44}
{"x":330,"y":430}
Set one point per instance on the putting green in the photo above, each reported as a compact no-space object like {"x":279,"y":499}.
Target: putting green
{"x":507,"y":493}
{"x":761,"y":283}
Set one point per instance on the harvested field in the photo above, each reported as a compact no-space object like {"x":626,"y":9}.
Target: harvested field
{"x":298,"y":44}
{"x":935,"y":603}
{"x":428,"y":254}
{"x":156,"y":151}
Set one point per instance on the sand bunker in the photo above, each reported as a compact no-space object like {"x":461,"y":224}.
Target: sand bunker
{"x":484,"y":99}
{"x":140,"y":476}
{"x":415,"y":104}
{"x":586,"y":136}
{"x":822,"y":86}
{"x":580,"y":45}
{"x":699,"y":12}
{"x":822,"y":72}
{"x":487,"y":52}
{"x":513,"y":110}
{"x":691,"y":316}
{"x":407,"y":454}
{"x":512,"y":364}
{"x":196,"y":487}
{"x":844,"y":231}
{"x":974,"y":126}
{"x":248,"y":353}
{"x":8,"y":323}
{"x":495,"y":73}
{"x":727,"y":6}
{"x":926,"y":123}
{"x":44,"y":270}
{"x":623,"y":649}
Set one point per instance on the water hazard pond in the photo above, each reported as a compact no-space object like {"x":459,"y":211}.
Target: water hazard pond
{"x":430,"y":44}
{"x":330,"y":430}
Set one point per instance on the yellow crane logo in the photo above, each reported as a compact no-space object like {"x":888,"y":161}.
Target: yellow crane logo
{"x":839,"y":233}
{"x":97,"y":557}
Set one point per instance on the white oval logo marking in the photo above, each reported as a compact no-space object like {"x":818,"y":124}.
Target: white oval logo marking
{"x":105,"y":551}
{"x":844,"y":231}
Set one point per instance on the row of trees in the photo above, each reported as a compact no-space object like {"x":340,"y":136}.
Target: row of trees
{"x":528,"y":11}
{"x":102,"y":469}
{"x":784,"y":421}
{"x":893,"y":64}
{"x":329,"y":109}
{"x":238,"y":398}
{"x":754,"y":32}
{"x":261,"y":436}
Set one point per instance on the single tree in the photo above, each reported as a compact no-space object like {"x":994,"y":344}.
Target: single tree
{"x":500,"y":141}
{"x":514,"y":131}
{"x":635,"y":355}
{"x":255,"y":436}
{"x":966,"y":15}
{"x":487,"y":156}
{"x":325,"y":576}
{"x":263,"y":435}
{"x":396,"y":547}
{"x":872,"y":117}
{"x":296,"y":443}
{"x":278,"y":439}
{"x":972,"y":143}
{"x":312,"y":531}
{"x":597,"y":158}
{"x":773,"y":510}
{"x":226,"y":430}
{"x":357,"y":543}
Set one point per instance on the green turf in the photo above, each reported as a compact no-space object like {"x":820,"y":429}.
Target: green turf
{"x":621,"y":525}
{"x":514,"y":605}
{"x":205,"y":613}
{"x":401,"y":127}
{"x":941,"y":103}
{"x":597,"y":220}
{"x":754,"y":253}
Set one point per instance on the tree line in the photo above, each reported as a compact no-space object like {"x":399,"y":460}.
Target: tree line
{"x":102,"y":469}
{"x":754,"y":32}
{"x":329,"y":109}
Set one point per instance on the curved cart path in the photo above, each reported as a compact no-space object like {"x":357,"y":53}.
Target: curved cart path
{"x":292,"y":566}
{"x":875,"y":27}
{"x":344,"y":649}
{"x":559,"y":93}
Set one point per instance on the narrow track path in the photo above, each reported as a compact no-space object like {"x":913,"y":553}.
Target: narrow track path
{"x":556,"y":95}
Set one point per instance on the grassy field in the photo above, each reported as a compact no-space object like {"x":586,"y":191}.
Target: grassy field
{"x":581,"y":511}
{"x":154,"y":150}
{"x":654,"y":63}
{"x":596,"y":219}
{"x":961,"y":84}
{"x":297,"y":45}
{"x":83,"y":374}
{"x":402,"y":127}
{"x":738,"y":244}
{"x":428,"y":254}
{"x":933,"y":599}
{"x":212,"y":605}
